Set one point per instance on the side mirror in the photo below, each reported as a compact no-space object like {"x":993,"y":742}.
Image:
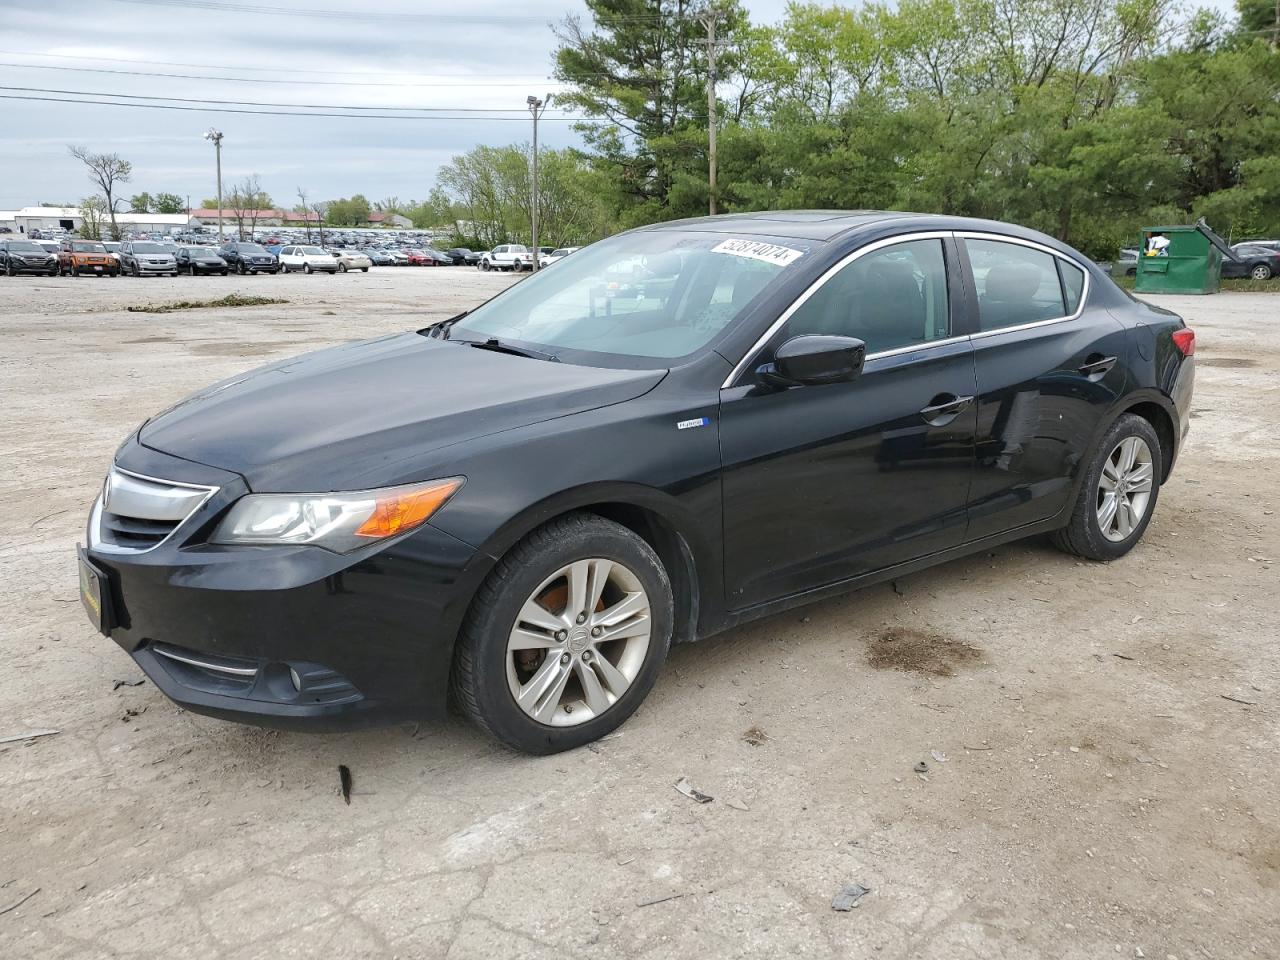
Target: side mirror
{"x":813,"y":360}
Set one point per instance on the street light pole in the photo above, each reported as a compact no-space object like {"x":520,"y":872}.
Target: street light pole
{"x":216,"y":137}
{"x":536,"y":108}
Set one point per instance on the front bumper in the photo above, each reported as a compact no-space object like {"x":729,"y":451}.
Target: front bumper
{"x":156,"y":267}
{"x":41,"y":267}
{"x":291,"y":637}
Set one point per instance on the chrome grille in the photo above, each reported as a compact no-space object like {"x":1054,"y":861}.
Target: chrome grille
{"x":136,"y":513}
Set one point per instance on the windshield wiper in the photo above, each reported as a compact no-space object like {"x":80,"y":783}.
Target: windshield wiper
{"x":493,"y":343}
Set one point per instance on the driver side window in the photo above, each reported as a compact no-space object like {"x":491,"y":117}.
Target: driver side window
{"x":893,"y":297}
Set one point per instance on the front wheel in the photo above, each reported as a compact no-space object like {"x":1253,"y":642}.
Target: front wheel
{"x":306,"y":268}
{"x":1260,"y":272}
{"x":565,"y":637}
{"x":1118,"y":494}
{"x":342,"y":268}
{"x":484,"y":266}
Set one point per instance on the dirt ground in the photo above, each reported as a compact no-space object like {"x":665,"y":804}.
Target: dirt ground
{"x":1110,"y":787}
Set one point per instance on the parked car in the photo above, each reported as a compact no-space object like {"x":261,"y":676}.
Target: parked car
{"x":26,"y":256}
{"x":530,"y":502}
{"x":307,"y":259}
{"x":352,"y":260}
{"x":147,"y":258}
{"x":418,"y":258}
{"x":245,"y":257}
{"x":195,"y":260}
{"x":113,"y":250}
{"x":438,"y":257}
{"x":398,"y":257}
{"x":1254,"y":260}
{"x":1127,"y":262}
{"x":556,"y":255}
{"x":379,"y":258}
{"x":507,"y":256}
{"x":86,"y":256}
{"x":463,"y":257}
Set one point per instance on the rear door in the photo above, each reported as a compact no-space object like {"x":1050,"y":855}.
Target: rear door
{"x":1048,"y":365}
{"x":824,"y":483}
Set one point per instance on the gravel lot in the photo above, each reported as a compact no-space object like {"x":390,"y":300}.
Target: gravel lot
{"x":1101,"y":794}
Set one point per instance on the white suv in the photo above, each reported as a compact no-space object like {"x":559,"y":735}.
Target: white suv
{"x":508,"y":256}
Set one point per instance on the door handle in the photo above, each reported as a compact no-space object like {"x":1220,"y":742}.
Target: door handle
{"x":1097,"y":365}
{"x":941,"y":413}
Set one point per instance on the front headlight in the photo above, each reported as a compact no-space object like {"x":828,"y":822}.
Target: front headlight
{"x":340,"y":522}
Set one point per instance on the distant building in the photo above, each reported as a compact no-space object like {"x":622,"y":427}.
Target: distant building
{"x":259,"y":218}
{"x":390,"y":220}
{"x":71,"y":219}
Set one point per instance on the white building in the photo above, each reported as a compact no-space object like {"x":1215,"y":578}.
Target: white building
{"x":46,"y":219}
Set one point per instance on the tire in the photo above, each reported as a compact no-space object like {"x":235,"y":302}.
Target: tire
{"x":1131,"y":272}
{"x":137,"y":271}
{"x":1084,"y":535}
{"x":1260,"y":271}
{"x":306,"y":268}
{"x":342,"y":268}
{"x":9,"y":271}
{"x":364,"y":269}
{"x":485,"y":670}
{"x":485,"y":266}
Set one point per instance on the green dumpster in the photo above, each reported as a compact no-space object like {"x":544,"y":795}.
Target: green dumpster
{"x":1183,"y":259}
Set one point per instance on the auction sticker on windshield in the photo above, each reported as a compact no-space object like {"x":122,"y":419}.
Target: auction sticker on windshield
{"x":768,"y":252}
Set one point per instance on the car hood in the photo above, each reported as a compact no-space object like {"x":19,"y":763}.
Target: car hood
{"x":370,"y":414}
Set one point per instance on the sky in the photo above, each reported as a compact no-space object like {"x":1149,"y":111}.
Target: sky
{"x":482,"y":55}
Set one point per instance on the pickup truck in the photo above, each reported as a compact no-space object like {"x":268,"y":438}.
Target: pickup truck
{"x":507,"y":256}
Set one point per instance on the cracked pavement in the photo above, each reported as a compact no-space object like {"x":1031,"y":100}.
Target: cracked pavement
{"x":1099,"y":794}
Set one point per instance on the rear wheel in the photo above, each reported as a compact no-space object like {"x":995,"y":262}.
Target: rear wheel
{"x":1118,"y":494}
{"x":1260,"y":271}
{"x":565,"y":637}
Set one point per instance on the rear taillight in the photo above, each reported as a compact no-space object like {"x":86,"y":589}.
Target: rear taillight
{"x":1185,"y":340}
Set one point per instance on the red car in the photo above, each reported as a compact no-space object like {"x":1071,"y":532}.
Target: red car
{"x":418,"y":258}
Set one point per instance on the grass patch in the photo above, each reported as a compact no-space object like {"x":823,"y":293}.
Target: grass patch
{"x":1235,"y":285}
{"x":230,"y":300}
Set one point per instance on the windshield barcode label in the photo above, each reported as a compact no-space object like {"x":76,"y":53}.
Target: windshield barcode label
{"x":768,"y":252}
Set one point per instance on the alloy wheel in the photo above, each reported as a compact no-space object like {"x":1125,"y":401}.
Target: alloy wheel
{"x":579,"y":642}
{"x":1124,"y":488}
{"x":1261,"y":272}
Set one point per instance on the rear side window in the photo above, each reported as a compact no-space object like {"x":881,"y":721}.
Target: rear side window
{"x":1072,"y":284}
{"x":892,"y":297}
{"x":1014,"y":284}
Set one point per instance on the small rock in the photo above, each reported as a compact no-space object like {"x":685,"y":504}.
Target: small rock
{"x":736,"y":804}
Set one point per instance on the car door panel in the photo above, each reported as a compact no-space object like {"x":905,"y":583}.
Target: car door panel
{"x":824,"y":483}
{"x":1042,"y":388}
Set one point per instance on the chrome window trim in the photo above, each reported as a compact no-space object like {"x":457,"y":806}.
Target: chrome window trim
{"x":821,"y":281}
{"x":1018,"y":241}
{"x":95,"y":516}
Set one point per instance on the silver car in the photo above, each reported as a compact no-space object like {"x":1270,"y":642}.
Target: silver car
{"x":147,"y":258}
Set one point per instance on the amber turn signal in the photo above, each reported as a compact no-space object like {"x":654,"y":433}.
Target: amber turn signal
{"x":406,"y":509}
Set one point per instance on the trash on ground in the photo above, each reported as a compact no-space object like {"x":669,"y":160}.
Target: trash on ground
{"x":127,"y":683}
{"x":17,"y":904}
{"x":938,"y":756}
{"x":674,"y":896}
{"x":921,"y":767}
{"x":685,"y":787}
{"x":344,"y":781}
{"x":847,"y":899}
{"x":30,"y":735}
{"x":1247,"y":703}
{"x":755,"y":736}
{"x":736,"y":804}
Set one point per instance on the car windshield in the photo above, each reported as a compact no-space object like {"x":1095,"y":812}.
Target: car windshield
{"x":149,"y":248}
{"x":250,"y":248}
{"x":656,"y":294}
{"x":25,"y":246}
{"x":312,"y":252}
{"x":88,"y":248}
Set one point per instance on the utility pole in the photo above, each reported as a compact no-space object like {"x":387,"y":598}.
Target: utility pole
{"x":536,"y":108}
{"x":216,"y":137}
{"x":709,"y":21}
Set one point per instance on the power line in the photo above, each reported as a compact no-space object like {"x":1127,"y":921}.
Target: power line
{"x":222,"y":66}
{"x":330,"y":14}
{"x":256,"y":103}
{"x":274,"y":113}
{"x":322,"y":83}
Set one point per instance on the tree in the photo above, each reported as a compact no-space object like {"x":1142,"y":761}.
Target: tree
{"x":140,"y":203}
{"x":93,"y":210}
{"x":349,"y":213}
{"x":106,"y":170}
{"x":304,"y":208}
{"x":247,"y":197}
{"x":169,"y":203}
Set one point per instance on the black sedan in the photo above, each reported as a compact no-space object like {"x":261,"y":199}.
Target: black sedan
{"x":194,"y":260}
{"x":462,"y":257}
{"x":675,"y":431}
{"x":25,"y":256}
{"x":1253,"y":260}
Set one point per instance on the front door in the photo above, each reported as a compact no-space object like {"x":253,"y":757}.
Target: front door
{"x":824,"y":483}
